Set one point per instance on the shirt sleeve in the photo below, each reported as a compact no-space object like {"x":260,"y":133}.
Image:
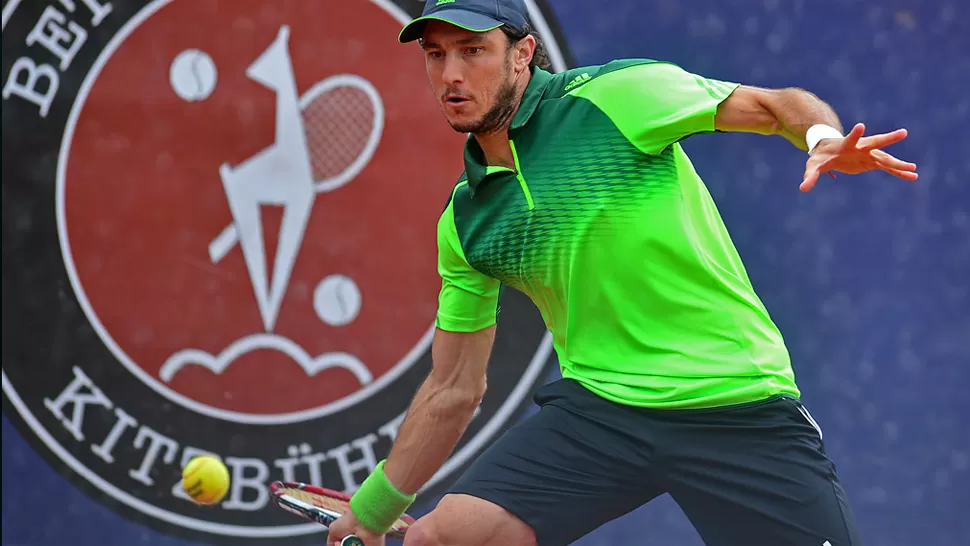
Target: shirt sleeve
{"x":469,"y":300}
{"x":655,"y":104}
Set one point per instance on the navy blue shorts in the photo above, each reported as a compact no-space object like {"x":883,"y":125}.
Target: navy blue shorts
{"x":752,"y":475}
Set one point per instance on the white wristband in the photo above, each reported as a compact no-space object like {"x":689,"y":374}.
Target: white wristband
{"x":818,"y":132}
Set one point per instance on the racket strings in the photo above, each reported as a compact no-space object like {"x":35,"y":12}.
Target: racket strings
{"x":337,"y":124}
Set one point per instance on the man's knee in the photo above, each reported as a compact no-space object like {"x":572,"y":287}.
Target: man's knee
{"x":462,"y":520}
{"x":421,"y":533}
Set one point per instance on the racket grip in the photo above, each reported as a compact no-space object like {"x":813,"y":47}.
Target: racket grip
{"x":351,"y":540}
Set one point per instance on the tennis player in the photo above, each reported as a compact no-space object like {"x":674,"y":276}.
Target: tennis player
{"x":577,"y":192}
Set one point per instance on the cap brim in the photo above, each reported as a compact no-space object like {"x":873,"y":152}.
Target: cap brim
{"x":468,"y":20}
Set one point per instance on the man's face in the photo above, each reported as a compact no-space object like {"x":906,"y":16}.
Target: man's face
{"x":472,"y":75}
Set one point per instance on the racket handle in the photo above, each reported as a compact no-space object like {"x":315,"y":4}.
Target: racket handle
{"x":351,"y":540}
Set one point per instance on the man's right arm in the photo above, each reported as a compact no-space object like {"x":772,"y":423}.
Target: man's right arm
{"x":444,"y":404}
{"x":441,"y":409}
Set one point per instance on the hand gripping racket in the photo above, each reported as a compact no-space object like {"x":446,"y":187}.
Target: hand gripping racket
{"x":324,"y":506}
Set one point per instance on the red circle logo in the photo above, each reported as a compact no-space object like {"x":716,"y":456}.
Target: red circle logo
{"x":266,"y":218}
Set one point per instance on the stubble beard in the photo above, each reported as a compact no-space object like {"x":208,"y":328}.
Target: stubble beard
{"x":498,"y":115}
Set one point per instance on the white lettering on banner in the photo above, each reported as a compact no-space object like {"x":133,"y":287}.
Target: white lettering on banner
{"x":98,"y":11}
{"x":250,"y":477}
{"x":50,"y":33}
{"x":302,"y":454}
{"x":72,"y":395}
{"x":37,"y":82}
{"x":288,"y":465}
{"x":240,"y":482}
{"x":313,"y":461}
{"x":348,"y":468}
{"x":28,"y":90}
{"x":158,"y":441}
{"x":111,"y":440}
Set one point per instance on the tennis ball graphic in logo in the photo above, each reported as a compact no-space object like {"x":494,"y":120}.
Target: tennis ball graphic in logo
{"x":193,"y":75}
{"x":337,"y":300}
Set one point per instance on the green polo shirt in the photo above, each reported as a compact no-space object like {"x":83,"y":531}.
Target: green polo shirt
{"x":606,"y":226}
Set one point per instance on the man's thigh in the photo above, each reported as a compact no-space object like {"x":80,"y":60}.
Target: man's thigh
{"x":759,"y":475}
{"x":564,"y":471}
{"x":461,"y":520}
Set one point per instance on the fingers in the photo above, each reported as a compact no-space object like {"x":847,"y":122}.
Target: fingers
{"x":905,"y":175}
{"x":811,"y":177}
{"x":885,"y":160}
{"x":893,"y":166}
{"x":336,"y":533}
{"x":852,"y":139}
{"x":814,"y":169}
{"x":883,"y":140}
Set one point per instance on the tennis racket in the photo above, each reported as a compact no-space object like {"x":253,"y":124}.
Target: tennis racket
{"x":343,"y":119}
{"x":324,"y":506}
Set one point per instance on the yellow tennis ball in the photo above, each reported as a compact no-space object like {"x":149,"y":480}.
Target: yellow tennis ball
{"x":205,"y":479}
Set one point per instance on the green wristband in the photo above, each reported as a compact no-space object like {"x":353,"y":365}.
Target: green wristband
{"x":377,"y":504}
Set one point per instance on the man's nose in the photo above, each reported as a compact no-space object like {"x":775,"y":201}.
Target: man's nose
{"x":453,"y":72}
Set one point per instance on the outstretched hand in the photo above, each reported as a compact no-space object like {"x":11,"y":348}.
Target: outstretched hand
{"x":856,"y":154}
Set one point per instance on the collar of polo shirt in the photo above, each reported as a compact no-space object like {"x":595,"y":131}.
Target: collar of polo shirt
{"x":475,"y":166}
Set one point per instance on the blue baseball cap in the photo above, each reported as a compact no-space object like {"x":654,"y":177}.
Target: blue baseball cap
{"x":474,"y":15}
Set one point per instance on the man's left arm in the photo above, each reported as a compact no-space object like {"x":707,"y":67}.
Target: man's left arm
{"x":810,"y":125}
{"x":656,"y":104}
{"x":789,"y":113}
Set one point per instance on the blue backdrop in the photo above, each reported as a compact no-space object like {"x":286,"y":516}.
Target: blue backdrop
{"x":868,"y":277}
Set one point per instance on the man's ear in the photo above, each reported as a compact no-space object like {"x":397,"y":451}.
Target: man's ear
{"x":524,"y":50}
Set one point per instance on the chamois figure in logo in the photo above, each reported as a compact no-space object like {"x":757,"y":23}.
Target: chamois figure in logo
{"x":280,"y":175}
{"x":343,"y":115}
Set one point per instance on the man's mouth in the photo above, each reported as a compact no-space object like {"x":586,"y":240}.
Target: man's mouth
{"x":456,"y":100}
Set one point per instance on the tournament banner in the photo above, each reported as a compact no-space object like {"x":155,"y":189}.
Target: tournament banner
{"x":219,"y":238}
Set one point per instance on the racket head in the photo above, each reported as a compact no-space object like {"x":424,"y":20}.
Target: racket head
{"x":322,"y":505}
{"x":343,"y":119}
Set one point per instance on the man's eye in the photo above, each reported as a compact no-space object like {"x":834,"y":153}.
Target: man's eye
{"x":434,"y":54}
{"x":473,"y":50}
